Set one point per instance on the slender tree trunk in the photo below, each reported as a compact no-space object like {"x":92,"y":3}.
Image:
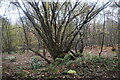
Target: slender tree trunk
{"x":0,"y":52}
{"x":102,"y":36}
{"x":25,"y":33}
{"x":82,"y":46}
{"x":119,"y":31}
{"x":94,"y":32}
{"x":8,"y":40}
{"x":44,"y":51}
{"x":26,"y":39}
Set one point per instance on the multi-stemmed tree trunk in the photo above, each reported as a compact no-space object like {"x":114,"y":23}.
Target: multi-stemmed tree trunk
{"x":56,"y":22}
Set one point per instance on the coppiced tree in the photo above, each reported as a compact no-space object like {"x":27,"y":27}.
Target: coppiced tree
{"x":55,"y":20}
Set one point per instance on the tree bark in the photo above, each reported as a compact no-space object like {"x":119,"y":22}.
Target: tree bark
{"x":102,"y":44}
{"x":119,"y":30}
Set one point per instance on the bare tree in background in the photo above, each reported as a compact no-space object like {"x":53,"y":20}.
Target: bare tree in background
{"x":6,"y":36}
{"x":118,"y":4}
{"x":0,"y":54}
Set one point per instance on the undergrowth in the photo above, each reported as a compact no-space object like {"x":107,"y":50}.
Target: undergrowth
{"x":84,"y":67}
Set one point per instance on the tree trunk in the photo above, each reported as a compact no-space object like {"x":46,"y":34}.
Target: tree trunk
{"x":57,"y":54}
{"x":119,"y":31}
{"x":102,"y":36}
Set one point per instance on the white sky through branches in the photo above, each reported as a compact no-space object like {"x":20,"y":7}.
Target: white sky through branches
{"x":12,"y":14}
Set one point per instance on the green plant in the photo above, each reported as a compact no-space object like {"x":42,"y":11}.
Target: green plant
{"x":35,"y":63}
{"x":71,"y":72}
{"x":58,"y":62}
{"x":86,"y":55}
{"x":67,"y":57}
{"x":69,"y":63}
{"x":115,"y":68}
{"x":59,"y":59}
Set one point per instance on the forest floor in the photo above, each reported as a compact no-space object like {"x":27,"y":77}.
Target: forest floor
{"x":18,"y":66}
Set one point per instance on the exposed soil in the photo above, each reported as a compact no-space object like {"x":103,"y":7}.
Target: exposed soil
{"x":22,"y":61}
{"x":107,"y":51}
